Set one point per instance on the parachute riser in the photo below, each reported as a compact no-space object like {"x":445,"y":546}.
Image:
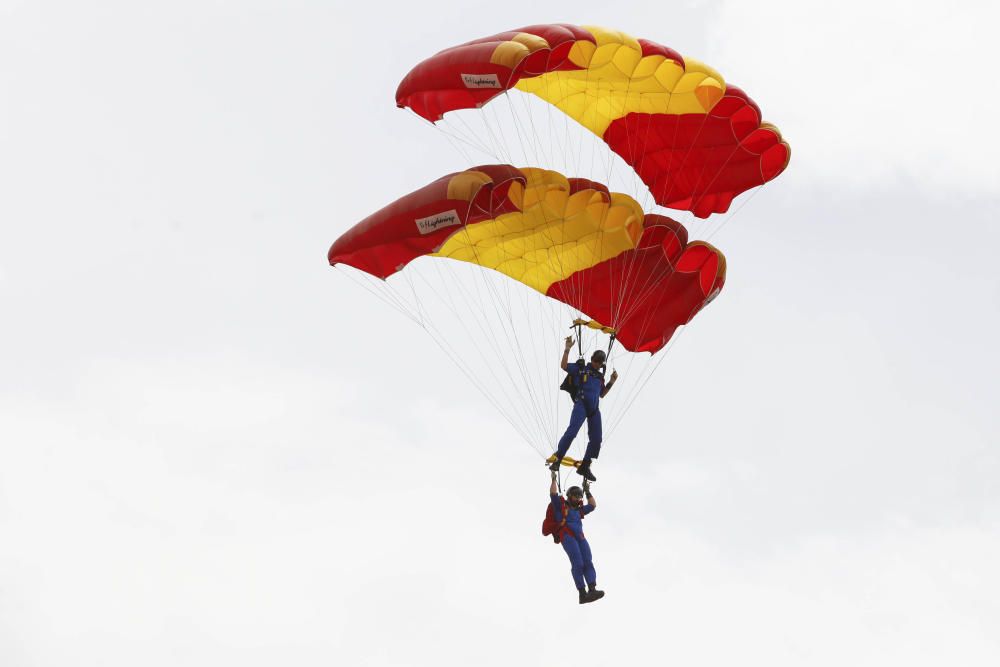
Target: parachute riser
{"x":578,"y":324}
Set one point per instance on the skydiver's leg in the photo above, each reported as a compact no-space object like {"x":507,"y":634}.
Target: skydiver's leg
{"x":595,"y":436}
{"x":576,"y":419}
{"x":588,"y":571}
{"x":593,"y":445}
{"x":572,"y":548}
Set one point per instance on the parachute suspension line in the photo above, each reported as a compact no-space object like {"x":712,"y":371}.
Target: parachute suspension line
{"x":646,"y":192}
{"x":536,"y":404}
{"x":456,"y":360}
{"x":637,"y":390}
{"x":535,"y":140}
{"x":648,"y":202}
{"x":629,"y":266}
{"x":455,"y":139}
{"x":547,"y":235}
{"x":517,"y":428}
{"x":627,"y":289}
{"x":710,"y":232}
{"x":557,"y":150}
{"x":544,"y":389}
{"x":536,"y":364}
{"x":518,"y":356}
{"x":552,"y":242}
{"x":489,"y":132}
{"x":521,"y":408}
{"x":454,"y":135}
{"x":583,"y":285}
{"x":611,"y":154}
{"x":502,"y":143}
{"x":457,"y":142}
{"x":550,"y":316}
{"x":416,"y":300}
{"x":539,"y":363}
{"x":529,"y":406}
{"x":575,"y":284}
{"x":495,"y":147}
{"x":632,"y":393}
{"x":642,"y":292}
{"x":388,"y":291}
{"x":570,"y":153}
{"x":725,"y":220}
{"x":463,"y":321}
{"x":454,"y":125}
{"x":517,"y":123}
{"x":648,"y":317}
{"x":687,"y":153}
{"x":556,"y":311}
{"x":374,"y":292}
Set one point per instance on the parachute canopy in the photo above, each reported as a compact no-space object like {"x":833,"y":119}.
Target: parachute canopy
{"x":696,"y":141}
{"x":570,"y":239}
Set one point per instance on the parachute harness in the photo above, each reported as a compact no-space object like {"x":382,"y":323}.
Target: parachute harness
{"x":578,"y":324}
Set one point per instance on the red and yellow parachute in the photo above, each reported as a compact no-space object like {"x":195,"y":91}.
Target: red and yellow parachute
{"x":696,"y":141}
{"x":567,"y":238}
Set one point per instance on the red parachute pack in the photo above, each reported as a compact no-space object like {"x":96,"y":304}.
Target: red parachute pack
{"x":555,"y":528}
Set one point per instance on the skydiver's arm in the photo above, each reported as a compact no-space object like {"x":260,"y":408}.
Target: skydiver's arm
{"x":591,"y":501}
{"x":554,"y":499}
{"x":607,"y":387}
{"x":565,"y":357}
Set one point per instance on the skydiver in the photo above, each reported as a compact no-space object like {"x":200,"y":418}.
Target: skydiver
{"x":590,"y":388}
{"x":568,"y":531}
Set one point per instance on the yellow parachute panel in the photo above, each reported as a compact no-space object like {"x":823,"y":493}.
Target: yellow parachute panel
{"x":617,"y":80}
{"x":556,"y":232}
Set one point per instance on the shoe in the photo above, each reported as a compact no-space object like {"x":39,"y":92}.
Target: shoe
{"x":584,"y":596}
{"x":594,"y":595}
{"x":584,"y":471}
{"x":555,"y":465}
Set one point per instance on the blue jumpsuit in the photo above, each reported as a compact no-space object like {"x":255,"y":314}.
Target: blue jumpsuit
{"x":586,"y":407}
{"x":574,"y":543}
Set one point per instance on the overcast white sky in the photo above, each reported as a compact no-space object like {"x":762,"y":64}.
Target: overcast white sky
{"x":208,"y":454}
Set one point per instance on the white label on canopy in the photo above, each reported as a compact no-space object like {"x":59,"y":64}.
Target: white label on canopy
{"x":481,"y":81}
{"x":432,"y":223}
